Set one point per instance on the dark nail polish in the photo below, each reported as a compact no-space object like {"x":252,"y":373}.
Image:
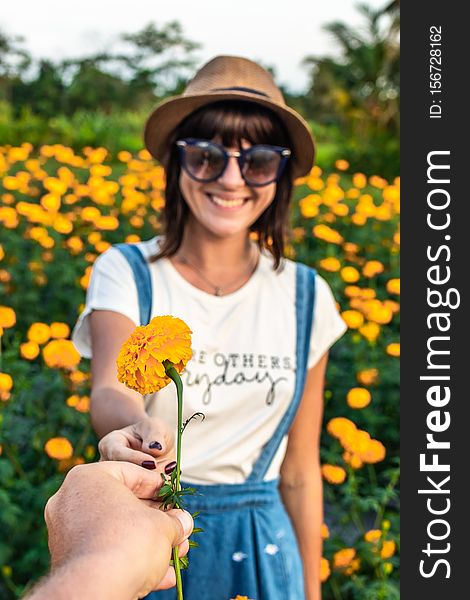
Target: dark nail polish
{"x":149,"y":464}
{"x":156,"y":445}
{"x":170,"y":468}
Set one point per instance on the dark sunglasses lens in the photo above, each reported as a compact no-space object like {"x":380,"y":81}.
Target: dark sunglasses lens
{"x":204,"y":161}
{"x":261,"y":165}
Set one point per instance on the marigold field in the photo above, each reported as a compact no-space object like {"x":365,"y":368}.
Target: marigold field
{"x":58,"y":211}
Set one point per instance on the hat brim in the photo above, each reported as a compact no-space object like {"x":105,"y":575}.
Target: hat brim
{"x":169,"y":114}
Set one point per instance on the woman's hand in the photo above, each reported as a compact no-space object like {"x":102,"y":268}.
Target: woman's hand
{"x":148,"y":443}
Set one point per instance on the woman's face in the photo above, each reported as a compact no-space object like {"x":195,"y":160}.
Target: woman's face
{"x":226,"y":206}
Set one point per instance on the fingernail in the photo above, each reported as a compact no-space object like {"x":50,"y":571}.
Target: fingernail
{"x":149,"y":464}
{"x":186,"y":521}
{"x":170,"y":467}
{"x":156,"y":445}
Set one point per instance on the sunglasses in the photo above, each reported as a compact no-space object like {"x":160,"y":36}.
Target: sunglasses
{"x":205,"y":161}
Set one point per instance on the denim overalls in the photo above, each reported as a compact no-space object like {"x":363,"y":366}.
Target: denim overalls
{"x":248,"y":546}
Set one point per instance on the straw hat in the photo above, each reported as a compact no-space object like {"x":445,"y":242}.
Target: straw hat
{"x":230,"y":78}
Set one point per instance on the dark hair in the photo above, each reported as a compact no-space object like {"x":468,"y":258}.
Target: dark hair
{"x":232,"y":121}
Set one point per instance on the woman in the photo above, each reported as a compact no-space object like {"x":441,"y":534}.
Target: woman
{"x":231,"y":149}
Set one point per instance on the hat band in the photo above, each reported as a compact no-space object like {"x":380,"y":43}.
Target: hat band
{"x":240,"y":89}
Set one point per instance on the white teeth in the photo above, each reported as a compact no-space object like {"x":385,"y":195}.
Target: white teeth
{"x":227,"y":203}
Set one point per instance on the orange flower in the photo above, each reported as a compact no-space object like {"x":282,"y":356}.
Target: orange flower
{"x":372,"y":268}
{"x":374,"y":452}
{"x":342,"y":165}
{"x":340,"y":427}
{"x":367,"y":376}
{"x":60,"y":354}
{"x":343,"y":558}
{"x":7,"y":317}
{"x":353,"y":318}
{"x":325,"y":570}
{"x":6,"y":382}
{"x":350,"y":274}
{"x":388,"y":549}
{"x":29,"y":350}
{"x":373,"y":536}
{"x":59,"y":330}
{"x":393,"y":349}
{"x":39,"y":333}
{"x":333,"y":474}
{"x":59,"y":448}
{"x":393,"y":286}
{"x":323,"y":232}
{"x":324,"y":531}
{"x":331,"y":264}
{"x":370,"y":331}
{"x":140,"y":361}
{"x":358,"y":397}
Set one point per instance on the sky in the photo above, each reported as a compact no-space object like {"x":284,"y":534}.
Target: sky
{"x":279,"y":33}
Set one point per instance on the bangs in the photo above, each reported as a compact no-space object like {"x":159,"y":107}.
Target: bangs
{"x":233,"y":121}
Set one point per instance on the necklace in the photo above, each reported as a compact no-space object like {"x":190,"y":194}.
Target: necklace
{"x":218,"y":289}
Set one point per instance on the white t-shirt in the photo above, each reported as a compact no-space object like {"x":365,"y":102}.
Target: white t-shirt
{"x":242,"y":372}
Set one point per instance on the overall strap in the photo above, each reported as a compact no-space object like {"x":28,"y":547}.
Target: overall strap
{"x":304,"y":305}
{"x":141,"y":271}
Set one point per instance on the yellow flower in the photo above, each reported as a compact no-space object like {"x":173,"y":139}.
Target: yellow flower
{"x":140,"y":361}
{"x":331,"y":264}
{"x":324,"y":531}
{"x":354,"y":566}
{"x":372,"y":268}
{"x":6,"y":382}
{"x":323,"y":232}
{"x":340,"y":426}
{"x":7,"y":317}
{"x":367,"y":376}
{"x":39,"y":333}
{"x":370,"y":331}
{"x":393,"y":286}
{"x":373,"y":536}
{"x":325,"y":570}
{"x":350,"y":274}
{"x":352,"y":318}
{"x":358,"y":397}
{"x":343,"y":558}
{"x":59,"y":330}
{"x":374,"y":452}
{"x":60,"y":354}
{"x":59,"y":448}
{"x":359,"y":180}
{"x":333,"y":474}
{"x":388,"y":549}
{"x":29,"y":350}
{"x":393,"y":349}
{"x":342,"y":165}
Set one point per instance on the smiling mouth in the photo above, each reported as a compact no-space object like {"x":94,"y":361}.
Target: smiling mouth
{"x":227,"y":203}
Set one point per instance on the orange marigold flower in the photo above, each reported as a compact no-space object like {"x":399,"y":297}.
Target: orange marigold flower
{"x":374,"y":452}
{"x":7,"y":317}
{"x":342,"y":165}
{"x":393,"y":286}
{"x":353,"y":567}
{"x":29,"y":350}
{"x":388,"y":549}
{"x":353,"y":318}
{"x":331,"y":264}
{"x":373,"y":535}
{"x":343,"y":558}
{"x":324,"y":531}
{"x":370,"y":331}
{"x":60,"y":354}
{"x":358,"y":397}
{"x":372,"y":268}
{"x":325,"y":570}
{"x":340,"y":426}
{"x":333,"y":474}
{"x":59,"y":448}
{"x":59,"y":330}
{"x":359,"y":180}
{"x":367,"y":376}
{"x":6,"y":382}
{"x":393,"y":349}
{"x":39,"y":333}
{"x":323,"y":232}
{"x":350,"y":274}
{"x":140,"y":361}
{"x":78,"y":377}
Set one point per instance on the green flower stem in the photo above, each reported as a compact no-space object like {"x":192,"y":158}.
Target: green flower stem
{"x":174,"y":376}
